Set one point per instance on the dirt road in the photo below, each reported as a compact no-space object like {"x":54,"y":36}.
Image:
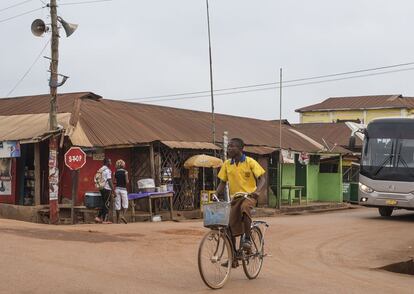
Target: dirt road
{"x":336,"y":252}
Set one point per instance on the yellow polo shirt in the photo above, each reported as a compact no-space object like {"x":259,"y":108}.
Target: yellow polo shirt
{"x":241,"y":177}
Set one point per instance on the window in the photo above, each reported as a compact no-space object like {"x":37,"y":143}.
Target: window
{"x":329,"y":165}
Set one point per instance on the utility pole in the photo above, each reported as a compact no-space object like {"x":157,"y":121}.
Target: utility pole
{"x":38,"y":29}
{"x":53,"y":146}
{"x":279,"y":189}
{"x":53,"y":83}
{"x":213,"y":116}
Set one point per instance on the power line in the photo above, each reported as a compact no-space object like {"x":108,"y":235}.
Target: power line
{"x":277,"y":87}
{"x":274,"y":83}
{"x":21,"y":14}
{"x":84,"y":2}
{"x":14,"y":5}
{"x":28,"y":70}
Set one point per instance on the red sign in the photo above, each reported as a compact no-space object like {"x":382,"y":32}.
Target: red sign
{"x":75,"y":158}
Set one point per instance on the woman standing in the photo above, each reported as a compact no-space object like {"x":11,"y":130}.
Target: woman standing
{"x":121,"y":193}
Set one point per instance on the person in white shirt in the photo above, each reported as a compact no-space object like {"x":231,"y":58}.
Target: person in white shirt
{"x":106,"y":192}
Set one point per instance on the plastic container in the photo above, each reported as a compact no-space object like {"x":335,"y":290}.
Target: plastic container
{"x":156,"y":218}
{"x":146,"y":185}
{"x":216,"y":214}
{"x":93,"y":199}
{"x":170,"y":187}
{"x":163,"y":188}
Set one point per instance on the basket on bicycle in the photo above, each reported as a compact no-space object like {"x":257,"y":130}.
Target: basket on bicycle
{"x":216,"y":214}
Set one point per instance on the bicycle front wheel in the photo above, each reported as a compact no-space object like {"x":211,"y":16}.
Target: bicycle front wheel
{"x":215,"y":259}
{"x":253,"y":260}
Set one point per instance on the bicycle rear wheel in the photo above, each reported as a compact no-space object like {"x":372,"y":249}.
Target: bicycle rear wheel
{"x":215,"y":259}
{"x":253,"y":261}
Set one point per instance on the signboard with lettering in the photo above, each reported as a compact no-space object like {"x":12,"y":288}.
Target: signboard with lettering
{"x":75,"y":158}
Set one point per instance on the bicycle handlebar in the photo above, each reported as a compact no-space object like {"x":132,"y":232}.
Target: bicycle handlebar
{"x":237,"y":195}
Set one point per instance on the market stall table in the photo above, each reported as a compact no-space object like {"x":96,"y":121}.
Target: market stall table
{"x":295,"y":188}
{"x":150,"y":196}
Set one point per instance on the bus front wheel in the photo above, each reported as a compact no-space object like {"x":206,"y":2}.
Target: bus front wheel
{"x":385,"y":211}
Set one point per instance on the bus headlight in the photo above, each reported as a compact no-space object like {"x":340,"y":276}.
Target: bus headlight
{"x":365,"y":188}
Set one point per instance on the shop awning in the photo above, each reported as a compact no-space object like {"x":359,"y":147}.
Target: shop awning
{"x":190,"y":145}
{"x":261,"y":150}
{"x":29,"y":128}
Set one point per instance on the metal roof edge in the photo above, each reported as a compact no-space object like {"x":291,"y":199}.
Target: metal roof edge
{"x":307,"y":138}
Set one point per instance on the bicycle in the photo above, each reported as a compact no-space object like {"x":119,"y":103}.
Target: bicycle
{"x":218,"y":253}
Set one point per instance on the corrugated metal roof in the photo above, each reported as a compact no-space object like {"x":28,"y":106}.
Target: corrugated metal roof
{"x":104,"y":123}
{"x":191,"y":145}
{"x":334,"y":134}
{"x":361,"y":102}
{"x":261,"y":150}
{"x":40,"y":103}
{"x":28,"y":127}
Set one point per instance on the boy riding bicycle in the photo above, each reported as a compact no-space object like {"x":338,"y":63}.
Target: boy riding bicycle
{"x":244,"y":175}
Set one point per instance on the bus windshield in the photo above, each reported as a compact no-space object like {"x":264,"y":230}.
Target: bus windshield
{"x":378,"y":152}
{"x":388,"y":159}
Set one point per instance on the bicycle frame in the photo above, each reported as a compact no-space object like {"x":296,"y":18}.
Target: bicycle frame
{"x":237,"y":252}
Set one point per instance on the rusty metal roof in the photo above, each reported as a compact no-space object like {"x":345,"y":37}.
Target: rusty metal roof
{"x":361,"y":102}
{"x":40,"y":103}
{"x":261,"y":150}
{"x":28,"y":127}
{"x":191,"y":145}
{"x":329,"y":135}
{"x":102,"y":123}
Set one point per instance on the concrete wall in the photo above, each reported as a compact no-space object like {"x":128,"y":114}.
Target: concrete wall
{"x":315,"y":117}
{"x":320,"y":186}
{"x":88,"y":171}
{"x":288,"y":178}
{"x":377,"y":113}
{"x":264,"y":196}
{"x":313,"y":185}
{"x":19,"y":212}
{"x":330,"y":187}
{"x":330,"y":116}
{"x":348,"y":115}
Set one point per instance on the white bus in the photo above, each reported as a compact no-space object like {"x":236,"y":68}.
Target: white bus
{"x":386,"y":178}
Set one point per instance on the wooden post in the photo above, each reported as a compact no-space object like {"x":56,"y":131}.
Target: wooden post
{"x":75,"y":181}
{"x":53,"y":83}
{"x":53,"y":181}
{"x":152,"y":161}
{"x":54,"y":65}
{"x":280,"y":165}
{"x":37,"y":173}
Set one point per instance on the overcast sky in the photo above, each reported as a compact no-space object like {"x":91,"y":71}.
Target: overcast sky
{"x":130,"y":49}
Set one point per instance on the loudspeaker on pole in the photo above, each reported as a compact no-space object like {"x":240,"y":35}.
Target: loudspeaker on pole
{"x":39,"y":27}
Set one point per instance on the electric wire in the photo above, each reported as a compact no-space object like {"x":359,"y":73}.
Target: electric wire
{"x":275,"y":83}
{"x":21,"y":14}
{"x":28,"y":70}
{"x":277,"y":87}
{"x":84,"y":2}
{"x":14,"y":5}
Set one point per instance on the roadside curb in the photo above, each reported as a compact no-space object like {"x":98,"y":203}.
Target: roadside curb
{"x":268,"y":212}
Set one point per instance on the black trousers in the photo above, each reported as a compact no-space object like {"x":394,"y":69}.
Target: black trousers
{"x":105,"y":204}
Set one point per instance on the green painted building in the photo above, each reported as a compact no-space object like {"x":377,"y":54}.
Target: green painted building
{"x":321,"y":180}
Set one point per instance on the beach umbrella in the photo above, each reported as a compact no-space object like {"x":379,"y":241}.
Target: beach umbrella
{"x":203,"y":160}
